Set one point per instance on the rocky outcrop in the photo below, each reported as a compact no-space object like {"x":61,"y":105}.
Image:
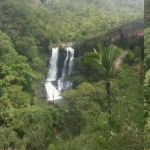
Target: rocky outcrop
{"x":127,"y":31}
{"x":64,"y":45}
{"x":119,"y":36}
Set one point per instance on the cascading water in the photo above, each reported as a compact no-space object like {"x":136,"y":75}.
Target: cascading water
{"x":71,"y":59}
{"x":53,"y":68}
{"x":67,"y":69}
{"x":54,"y":91}
{"x":65,"y":65}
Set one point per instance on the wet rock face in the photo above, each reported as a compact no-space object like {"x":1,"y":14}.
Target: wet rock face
{"x":70,"y":44}
{"x":61,"y":59}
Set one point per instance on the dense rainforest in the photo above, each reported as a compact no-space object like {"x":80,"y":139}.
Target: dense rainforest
{"x":106,"y":101}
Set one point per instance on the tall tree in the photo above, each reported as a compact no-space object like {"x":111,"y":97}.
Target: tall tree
{"x":108,"y":61}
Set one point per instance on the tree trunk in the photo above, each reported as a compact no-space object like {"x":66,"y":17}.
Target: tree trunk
{"x":107,"y":84}
{"x":142,"y":74}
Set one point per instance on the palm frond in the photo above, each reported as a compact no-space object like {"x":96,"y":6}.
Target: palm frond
{"x":92,"y":57}
{"x":118,"y":62}
{"x":108,"y":61}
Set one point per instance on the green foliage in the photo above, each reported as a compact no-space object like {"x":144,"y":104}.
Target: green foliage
{"x":87,"y":90}
{"x":146,"y":133}
{"x":17,"y":82}
{"x":7,"y":52}
{"x":92,"y":120}
{"x":58,"y":21}
{"x":7,"y":111}
{"x":147,"y":79}
{"x":146,"y":13}
{"x":83,"y":73}
{"x":17,"y":97}
{"x":78,"y":79}
{"x":147,"y":96}
{"x":38,"y":124}
{"x":105,"y":61}
{"x":10,"y":140}
{"x":27,"y":30}
{"x":129,"y":93}
{"x":147,"y":47}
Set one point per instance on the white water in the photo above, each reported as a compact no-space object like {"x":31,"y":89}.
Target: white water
{"x":71,"y":60}
{"x":53,"y":68}
{"x":64,"y":84}
{"x":65,"y":65}
{"x":53,"y":93}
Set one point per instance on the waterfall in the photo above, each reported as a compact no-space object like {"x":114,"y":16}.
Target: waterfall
{"x":67,"y":69}
{"x":65,"y":65}
{"x":53,"y":68}
{"x":55,"y":86}
{"x":71,"y":59}
{"x":52,"y":92}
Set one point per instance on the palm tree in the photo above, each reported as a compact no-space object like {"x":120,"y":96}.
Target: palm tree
{"x":108,"y":61}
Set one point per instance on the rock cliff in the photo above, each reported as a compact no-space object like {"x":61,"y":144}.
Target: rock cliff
{"x":127,"y":31}
{"x":122,"y":36}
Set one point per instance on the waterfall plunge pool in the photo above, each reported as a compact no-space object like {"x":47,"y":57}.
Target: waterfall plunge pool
{"x":59,"y":102}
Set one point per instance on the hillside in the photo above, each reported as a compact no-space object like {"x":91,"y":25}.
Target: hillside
{"x":70,"y":20}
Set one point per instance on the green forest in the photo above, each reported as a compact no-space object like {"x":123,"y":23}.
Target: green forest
{"x":109,"y":104}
